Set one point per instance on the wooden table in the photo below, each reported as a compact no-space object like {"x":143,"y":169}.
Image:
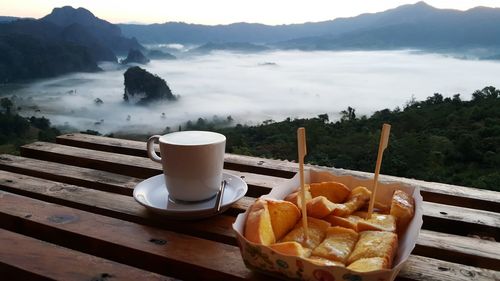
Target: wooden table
{"x":67,"y":212}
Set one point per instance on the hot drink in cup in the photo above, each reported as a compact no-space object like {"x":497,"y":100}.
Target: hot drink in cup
{"x":192,"y":163}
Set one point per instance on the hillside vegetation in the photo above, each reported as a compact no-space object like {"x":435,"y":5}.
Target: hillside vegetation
{"x":16,"y":130}
{"x":440,"y":139}
{"x":446,"y":140}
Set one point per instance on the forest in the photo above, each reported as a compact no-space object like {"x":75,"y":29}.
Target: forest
{"x":16,"y":130}
{"x":446,"y":140}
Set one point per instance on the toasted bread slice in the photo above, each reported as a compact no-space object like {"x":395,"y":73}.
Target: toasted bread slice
{"x":378,"y":222}
{"x":295,"y":197}
{"x":258,"y":226}
{"x":319,"y":207}
{"x":317,"y":232}
{"x":373,"y":244}
{"x":338,"y":244}
{"x":358,"y":198}
{"x":336,"y":192}
{"x":291,"y":248}
{"x":324,"y":262}
{"x":284,"y":216}
{"x":402,"y":208}
{"x":368,"y":264}
{"x":350,"y":221}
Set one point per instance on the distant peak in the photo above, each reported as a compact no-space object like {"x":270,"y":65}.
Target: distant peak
{"x":70,"y":11}
{"x":68,"y":15}
{"x":422,"y":4}
{"x":418,"y":7}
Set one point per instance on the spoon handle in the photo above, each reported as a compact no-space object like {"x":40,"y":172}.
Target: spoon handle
{"x":220,"y":196}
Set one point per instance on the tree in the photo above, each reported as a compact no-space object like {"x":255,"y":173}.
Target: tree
{"x":323,"y":117}
{"x":348,"y":115}
{"x":486,"y":93}
{"x":435,"y":99}
{"x":7,"y":104}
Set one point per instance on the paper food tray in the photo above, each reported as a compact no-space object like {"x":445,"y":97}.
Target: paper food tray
{"x":263,"y":259}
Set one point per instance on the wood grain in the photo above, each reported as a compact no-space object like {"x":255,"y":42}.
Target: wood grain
{"x":80,"y":198}
{"x":46,"y":220}
{"x":134,"y":166}
{"x":138,"y":148}
{"x":113,"y":205}
{"x":437,"y":270}
{"x":439,"y":217}
{"x":431,"y":191}
{"x":149,"y":248}
{"x":25,"y":258}
{"x":92,"y":178}
{"x":217,"y":228}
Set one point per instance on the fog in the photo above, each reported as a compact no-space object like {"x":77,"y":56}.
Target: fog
{"x":255,"y":87}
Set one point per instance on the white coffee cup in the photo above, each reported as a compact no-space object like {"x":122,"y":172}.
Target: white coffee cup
{"x":192,"y":163}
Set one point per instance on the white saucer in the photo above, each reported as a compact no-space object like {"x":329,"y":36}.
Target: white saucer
{"x":152,"y":194}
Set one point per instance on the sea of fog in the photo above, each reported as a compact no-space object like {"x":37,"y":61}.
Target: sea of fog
{"x":252,"y":88}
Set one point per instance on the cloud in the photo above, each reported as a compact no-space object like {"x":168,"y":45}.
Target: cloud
{"x":299,"y":84}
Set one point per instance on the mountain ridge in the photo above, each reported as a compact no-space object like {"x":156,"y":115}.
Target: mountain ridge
{"x":66,"y":40}
{"x":420,"y":19}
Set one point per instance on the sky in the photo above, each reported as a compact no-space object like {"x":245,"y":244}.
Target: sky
{"x":213,"y":12}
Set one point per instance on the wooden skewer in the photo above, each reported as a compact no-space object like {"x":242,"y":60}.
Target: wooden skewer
{"x":384,"y":140}
{"x":301,"y":146}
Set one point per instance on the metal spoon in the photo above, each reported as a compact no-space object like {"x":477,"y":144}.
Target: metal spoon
{"x":220,"y":195}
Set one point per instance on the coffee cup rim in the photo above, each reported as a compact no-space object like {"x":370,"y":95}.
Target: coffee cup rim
{"x":221,"y":138}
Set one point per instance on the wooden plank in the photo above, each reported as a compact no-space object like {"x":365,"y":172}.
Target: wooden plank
{"x":422,"y":268}
{"x":138,"y":148}
{"x":434,"y":212}
{"x":110,"y":182}
{"x":88,"y":178}
{"x":109,"y":204}
{"x":458,"y":249}
{"x":219,"y":228}
{"x":22,"y":258}
{"x":135,"y":166}
{"x":95,"y":179}
{"x":34,"y":217}
{"x":431,"y":191}
{"x":148,"y":248}
{"x":438,"y":217}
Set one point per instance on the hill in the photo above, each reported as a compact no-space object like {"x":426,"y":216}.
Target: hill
{"x":103,"y":32}
{"x":67,"y":40}
{"x":409,"y":26}
{"x":7,"y":19}
{"x":440,"y":139}
{"x":229,"y":46}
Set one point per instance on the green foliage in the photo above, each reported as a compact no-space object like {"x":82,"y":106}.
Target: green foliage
{"x":25,"y":57}
{"x":7,"y":104}
{"x":439,"y":139}
{"x":139,"y":81}
{"x":205,"y":125}
{"x":16,"y":131}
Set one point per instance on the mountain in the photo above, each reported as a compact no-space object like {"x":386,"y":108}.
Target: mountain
{"x":105,"y":33}
{"x":7,"y":19}
{"x":416,"y":25}
{"x":66,"y":40}
{"x":25,"y":57}
{"x":142,"y":87}
{"x":230,"y":46}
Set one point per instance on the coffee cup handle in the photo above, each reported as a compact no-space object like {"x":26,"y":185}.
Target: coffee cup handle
{"x":151,"y":149}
